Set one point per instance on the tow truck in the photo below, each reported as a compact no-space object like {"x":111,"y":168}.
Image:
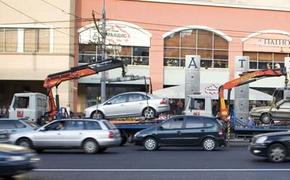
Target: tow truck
{"x":241,"y":128}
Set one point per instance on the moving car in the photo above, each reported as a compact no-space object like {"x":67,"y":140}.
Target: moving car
{"x":279,"y":111}
{"x":202,"y":131}
{"x":133,"y":104}
{"x":17,"y":125}
{"x":15,"y":160}
{"x":274,"y":146}
{"x":90,"y":135}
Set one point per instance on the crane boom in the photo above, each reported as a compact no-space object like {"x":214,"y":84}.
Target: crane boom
{"x":54,"y":80}
{"x":245,"y":78}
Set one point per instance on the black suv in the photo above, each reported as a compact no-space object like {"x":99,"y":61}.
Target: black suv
{"x":183,"y":131}
{"x":274,"y":146}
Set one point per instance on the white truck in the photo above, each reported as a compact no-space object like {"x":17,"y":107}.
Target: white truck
{"x":28,"y":105}
{"x":200,"y":105}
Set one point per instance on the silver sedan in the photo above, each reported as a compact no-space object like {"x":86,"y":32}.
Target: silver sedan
{"x":91,"y":135}
{"x":129,"y":104}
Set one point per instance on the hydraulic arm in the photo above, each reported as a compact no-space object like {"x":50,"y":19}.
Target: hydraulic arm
{"x":245,"y":78}
{"x":54,"y":80}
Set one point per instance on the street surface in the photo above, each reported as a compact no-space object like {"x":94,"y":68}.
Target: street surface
{"x":132,"y":162}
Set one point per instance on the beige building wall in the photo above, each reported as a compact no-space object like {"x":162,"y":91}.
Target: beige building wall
{"x":55,"y":15}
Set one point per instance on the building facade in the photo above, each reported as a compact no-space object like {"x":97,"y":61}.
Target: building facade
{"x":36,"y":39}
{"x":154,"y":37}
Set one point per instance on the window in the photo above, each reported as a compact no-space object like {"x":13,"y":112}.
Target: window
{"x":21,"y":102}
{"x":285,"y":105}
{"x":193,"y":122}
{"x":93,"y":125}
{"x":19,"y":125}
{"x":59,"y":125}
{"x":212,"y":48}
{"x":74,"y":125}
{"x":197,"y":104}
{"x":132,"y":55}
{"x":265,"y":60}
{"x":135,"y":97}
{"x":2,"y":40}
{"x":175,"y":123}
{"x":119,"y":99}
{"x":11,"y":40}
{"x":7,"y":124}
{"x":109,"y":125}
{"x":36,"y":40}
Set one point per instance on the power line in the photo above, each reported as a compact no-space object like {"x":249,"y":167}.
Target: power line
{"x":62,"y":10}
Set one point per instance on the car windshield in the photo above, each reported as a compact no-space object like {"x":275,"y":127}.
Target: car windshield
{"x":31,"y":124}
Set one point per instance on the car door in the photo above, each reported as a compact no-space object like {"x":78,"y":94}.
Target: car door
{"x":49,"y":135}
{"x":282,"y":111}
{"x":72,"y":133}
{"x":135,"y":104}
{"x":193,"y":130}
{"x":169,"y":132}
{"x":116,"y":106}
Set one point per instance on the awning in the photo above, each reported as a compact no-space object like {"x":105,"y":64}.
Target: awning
{"x":177,"y":92}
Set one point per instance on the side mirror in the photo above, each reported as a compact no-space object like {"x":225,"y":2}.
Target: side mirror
{"x":108,"y":103}
{"x":42,"y":129}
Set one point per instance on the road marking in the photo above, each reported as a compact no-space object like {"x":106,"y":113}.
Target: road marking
{"x":158,"y":170}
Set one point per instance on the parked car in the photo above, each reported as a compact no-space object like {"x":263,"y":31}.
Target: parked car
{"x":131,"y":104}
{"x":15,"y":160}
{"x":275,"y":146}
{"x":90,"y":135}
{"x":17,"y":125}
{"x":202,"y":131}
{"x":279,"y":111}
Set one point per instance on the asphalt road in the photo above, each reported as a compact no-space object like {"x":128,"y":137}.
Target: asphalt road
{"x":131,"y":162}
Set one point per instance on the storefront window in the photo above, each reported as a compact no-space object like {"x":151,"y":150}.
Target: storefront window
{"x":265,"y":60}
{"x":212,"y":48}
{"x":132,"y":55}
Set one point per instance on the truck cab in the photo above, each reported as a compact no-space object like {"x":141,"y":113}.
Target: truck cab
{"x":200,"y":105}
{"x":28,"y":105}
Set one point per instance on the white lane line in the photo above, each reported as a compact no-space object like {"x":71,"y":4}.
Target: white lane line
{"x":158,"y":170}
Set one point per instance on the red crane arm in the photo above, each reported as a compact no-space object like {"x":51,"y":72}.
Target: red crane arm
{"x":53,"y":80}
{"x":245,"y":78}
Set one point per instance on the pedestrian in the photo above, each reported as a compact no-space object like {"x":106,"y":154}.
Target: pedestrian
{"x":179,"y":107}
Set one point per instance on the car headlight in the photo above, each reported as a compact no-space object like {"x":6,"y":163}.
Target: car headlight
{"x":16,"y":158}
{"x":261,"y":140}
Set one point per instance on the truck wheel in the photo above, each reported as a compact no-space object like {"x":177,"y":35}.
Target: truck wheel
{"x":149,"y":113}
{"x":150,"y":144}
{"x":209,"y":144}
{"x":276,"y":153}
{"x":25,"y":142}
{"x":90,"y":146}
{"x":266,"y":118}
{"x":97,"y":115}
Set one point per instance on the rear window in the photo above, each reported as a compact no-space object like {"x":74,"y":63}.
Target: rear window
{"x":93,"y":125}
{"x":109,"y":125}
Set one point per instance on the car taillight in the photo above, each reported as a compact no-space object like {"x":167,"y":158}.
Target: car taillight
{"x":164,"y":101}
{"x":111,"y":134}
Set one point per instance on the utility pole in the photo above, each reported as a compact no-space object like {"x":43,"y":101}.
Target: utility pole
{"x":104,"y":54}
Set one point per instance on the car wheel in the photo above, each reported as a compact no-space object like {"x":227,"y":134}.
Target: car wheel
{"x":97,"y":115}
{"x":150,"y":144}
{"x":276,"y":153}
{"x":24,"y":142}
{"x":209,"y":144}
{"x":266,"y":118}
{"x":149,"y":113}
{"x":90,"y":146}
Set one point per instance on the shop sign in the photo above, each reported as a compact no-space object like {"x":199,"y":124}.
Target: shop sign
{"x":275,"y":42}
{"x":118,"y":33}
{"x":211,"y":89}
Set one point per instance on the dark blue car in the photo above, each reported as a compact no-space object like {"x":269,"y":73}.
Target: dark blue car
{"x":16,"y":160}
{"x":201,"y":131}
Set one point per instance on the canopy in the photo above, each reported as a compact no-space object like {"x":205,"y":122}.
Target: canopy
{"x":177,"y":92}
